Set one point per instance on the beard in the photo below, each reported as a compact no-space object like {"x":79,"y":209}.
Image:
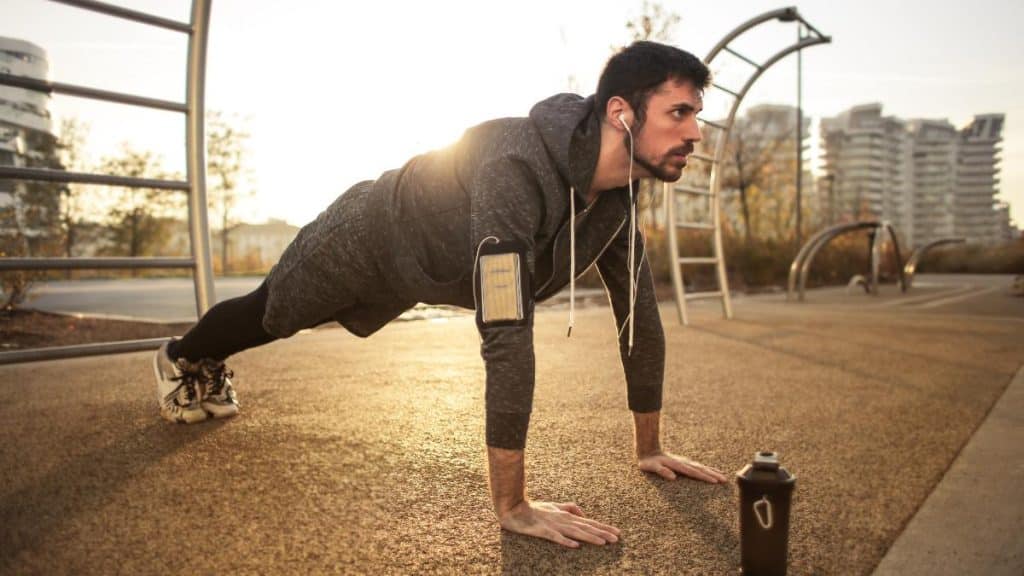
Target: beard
{"x":665,"y":168}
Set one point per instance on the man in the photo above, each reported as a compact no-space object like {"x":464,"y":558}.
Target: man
{"x":506,"y":217}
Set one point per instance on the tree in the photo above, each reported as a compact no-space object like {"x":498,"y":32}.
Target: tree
{"x":653,"y":23}
{"x":139,"y":222}
{"x":749,"y":167}
{"x":70,"y":147}
{"x":30,"y":218}
{"x":225,"y":159}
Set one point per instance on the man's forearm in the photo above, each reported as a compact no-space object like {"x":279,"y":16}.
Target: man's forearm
{"x":648,"y":432}
{"x":506,"y":471}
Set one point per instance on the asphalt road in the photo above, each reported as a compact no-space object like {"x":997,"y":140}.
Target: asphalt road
{"x":151,"y":299}
{"x":358,"y":456}
{"x":173,"y":299}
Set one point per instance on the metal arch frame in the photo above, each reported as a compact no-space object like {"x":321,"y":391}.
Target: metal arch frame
{"x":910,"y":268}
{"x":195,"y":184}
{"x":876,"y":256}
{"x":788,"y":14}
{"x":799,"y":269}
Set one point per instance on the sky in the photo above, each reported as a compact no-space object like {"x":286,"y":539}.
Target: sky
{"x":337,"y":92}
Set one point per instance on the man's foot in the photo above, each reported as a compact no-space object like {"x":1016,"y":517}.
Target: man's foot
{"x":219,"y":398}
{"x":177,"y":388}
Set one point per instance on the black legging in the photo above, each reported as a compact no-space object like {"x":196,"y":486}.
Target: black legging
{"x":228,"y":328}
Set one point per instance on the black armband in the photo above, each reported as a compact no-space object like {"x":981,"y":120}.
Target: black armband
{"x":501,"y":284}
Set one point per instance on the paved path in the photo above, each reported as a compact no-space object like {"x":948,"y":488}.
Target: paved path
{"x":148,"y":299}
{"x":355,"y":456}
{"x":973,"y":522}
{"x":173,"y":299}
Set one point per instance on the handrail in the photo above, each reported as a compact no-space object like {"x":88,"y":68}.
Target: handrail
{"x":788,"y":14}
{"x":876,"y":256}
{"x":79,"y":350}
{"x":128,"y":14}
{"x":798,"y":269}
{"x":195,"y":183}
{"x":910,"y":268}
{"x":89,"y":263}
{"x":47,"y":87}
{"x":801,"y":265}
{"x":195,"y":142}
{"x":48,"y":175}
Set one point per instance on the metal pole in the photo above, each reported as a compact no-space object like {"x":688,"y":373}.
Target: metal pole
{"x":199,"y":228}
{"x":799,"y":133}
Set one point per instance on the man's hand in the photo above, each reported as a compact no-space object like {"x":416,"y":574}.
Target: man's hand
{"x":562,"y":523}
{"x":668,"y":466}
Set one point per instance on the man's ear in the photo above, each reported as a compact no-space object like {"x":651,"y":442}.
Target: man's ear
{"x":619,"y":113}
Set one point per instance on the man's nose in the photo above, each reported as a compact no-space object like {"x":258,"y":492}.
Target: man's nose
{"x":692,"y":133}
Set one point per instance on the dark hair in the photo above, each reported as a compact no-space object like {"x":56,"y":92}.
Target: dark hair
{"x":635,"y":71}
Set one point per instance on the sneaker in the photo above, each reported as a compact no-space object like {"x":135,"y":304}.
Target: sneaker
{"x":219,"y":398}
{"x":177,"y":388}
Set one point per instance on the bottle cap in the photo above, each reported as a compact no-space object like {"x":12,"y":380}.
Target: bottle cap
{"x":766,"y":460}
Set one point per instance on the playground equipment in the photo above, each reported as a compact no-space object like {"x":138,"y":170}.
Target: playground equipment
{"x":195,"y":184}
{"x":801,"y":265}
{"x":911,"y":267}
{"x":715,"y":183}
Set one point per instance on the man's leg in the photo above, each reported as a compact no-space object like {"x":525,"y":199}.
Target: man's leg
{"x":192,"y":380}
{"x":227,"y":328}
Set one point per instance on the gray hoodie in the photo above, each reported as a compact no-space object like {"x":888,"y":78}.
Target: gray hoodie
{"x":511,"y":179}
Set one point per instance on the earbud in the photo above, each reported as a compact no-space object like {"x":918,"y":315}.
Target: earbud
{"x":622,"y":120}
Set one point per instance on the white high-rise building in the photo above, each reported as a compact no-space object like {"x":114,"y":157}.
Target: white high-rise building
{"x":934,"y":178}
{"x":867,"y":160}
{"x":929,"y":179}
{"x":975,"y":210}
{"x":26,"y":136}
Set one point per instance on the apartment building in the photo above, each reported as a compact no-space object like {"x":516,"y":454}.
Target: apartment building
{"x":928,"y":178}
{"x":26,"y":139}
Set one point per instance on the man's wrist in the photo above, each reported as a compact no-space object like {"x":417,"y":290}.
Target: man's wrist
{"x":647,"y":428}
{"x":507,"y":479}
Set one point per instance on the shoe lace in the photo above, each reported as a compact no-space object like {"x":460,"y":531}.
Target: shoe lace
{"x":216,"y":374}
{"x":188,"y":380}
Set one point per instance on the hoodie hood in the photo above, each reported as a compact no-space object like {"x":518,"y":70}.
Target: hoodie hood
{"x":568,"y":126}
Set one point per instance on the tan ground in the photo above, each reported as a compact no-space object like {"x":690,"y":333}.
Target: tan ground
{"x":357,"y":456}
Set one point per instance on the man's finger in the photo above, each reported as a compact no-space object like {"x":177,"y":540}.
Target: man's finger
{"x":666,"y":472}
{"x":714,"y":473}
{"x":578,"y":533}
{"x":606,"y":535}
{"x":571,"y":508}
{"x":601,"y":526}
{"x":557,"y":537}
{"x":693,"y":471}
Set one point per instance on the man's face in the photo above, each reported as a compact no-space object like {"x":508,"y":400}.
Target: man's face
{"x":670,"y":130}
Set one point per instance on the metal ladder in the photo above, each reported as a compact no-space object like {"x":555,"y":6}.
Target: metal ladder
{"x":713,"y":191}
{"x":195,"y":184}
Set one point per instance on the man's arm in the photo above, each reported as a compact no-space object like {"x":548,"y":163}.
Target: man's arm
{"x":562,"y":522}
{"x":506,"y":211}
{"x":650,"y":457}
{"x":645,"y":366}
{"x":647,"y":427}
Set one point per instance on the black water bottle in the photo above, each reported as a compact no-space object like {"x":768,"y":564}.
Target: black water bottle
{"x":765,"y":494}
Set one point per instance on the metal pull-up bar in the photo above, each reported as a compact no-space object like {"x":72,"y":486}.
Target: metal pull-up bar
{"x":194,"y":184}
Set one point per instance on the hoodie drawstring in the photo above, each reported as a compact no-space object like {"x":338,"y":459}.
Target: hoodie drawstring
{"x":572,"y":260}
{"x":634,"y":279}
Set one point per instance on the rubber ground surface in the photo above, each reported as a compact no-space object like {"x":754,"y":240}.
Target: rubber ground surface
{"x":358,"y":456}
